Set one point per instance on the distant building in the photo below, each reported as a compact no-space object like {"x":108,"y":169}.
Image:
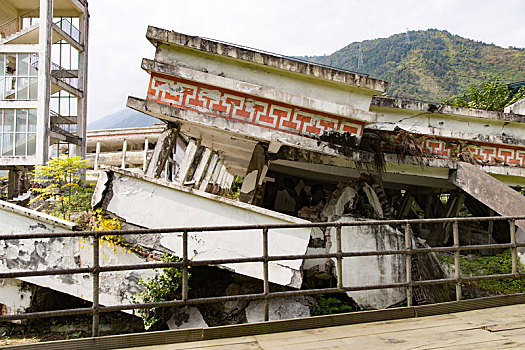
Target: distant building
{"x":130,"y":148}
{"x":43,"y":81}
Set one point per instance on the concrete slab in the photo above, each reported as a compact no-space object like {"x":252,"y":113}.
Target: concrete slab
{"x":152,"y":203}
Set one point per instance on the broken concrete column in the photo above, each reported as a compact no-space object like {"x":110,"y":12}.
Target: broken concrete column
{"x":162,"y":151}
{"x":124,"y":151}
{"x":184,"y":168}
{"x":256,"y":171}
{"x":13,"y":187}
{"x":209,"y":172}
{"x":201,"y":167}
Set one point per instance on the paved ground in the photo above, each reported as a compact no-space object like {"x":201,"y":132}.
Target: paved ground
{"x":496,"y":328}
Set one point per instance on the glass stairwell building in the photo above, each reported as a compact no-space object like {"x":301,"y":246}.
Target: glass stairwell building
{"x":43,"y":81}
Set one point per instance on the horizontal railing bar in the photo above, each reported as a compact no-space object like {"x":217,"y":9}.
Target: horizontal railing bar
{"x":254,"y":227}
{"x":45,"y":314}
{"x":159,"y":265}
{"x":258,"y":296}
{"x":15,"y":274}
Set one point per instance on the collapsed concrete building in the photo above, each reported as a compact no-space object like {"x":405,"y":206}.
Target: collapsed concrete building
{"x":312,"y":143}
{"x":323,"y":144}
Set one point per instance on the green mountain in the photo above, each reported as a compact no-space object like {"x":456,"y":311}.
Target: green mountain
{"x":126,"y":118}
{"x":428,"y":64}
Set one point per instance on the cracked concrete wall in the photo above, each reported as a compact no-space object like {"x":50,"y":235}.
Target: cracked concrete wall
{"x":371,"y":270}
{"x":59,"y":253}
{"x":155,"y":203}
{"x":14,"y":295}
{"x":449,"y":125}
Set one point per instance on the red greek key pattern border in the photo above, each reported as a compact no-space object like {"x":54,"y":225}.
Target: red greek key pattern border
{"x":482,"y":153}
{"x":248,"y":109}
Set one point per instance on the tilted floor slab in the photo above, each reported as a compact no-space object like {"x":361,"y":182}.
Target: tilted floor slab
{"x":61,"y":253}
{"x":151,"y":203}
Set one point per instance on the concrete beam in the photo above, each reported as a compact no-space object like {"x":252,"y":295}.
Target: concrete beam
{"x":15,"y":48}
{"x":65,"y":86}
{"x":209,"y":172}
{"x":250,"y":132}
{"x":68,"y":38}
{"x":322,"y":105}
{"x":267,"y":60}
{"x":191,"y":151}
{"x":201,"y":167}
{"x":489,"y":191}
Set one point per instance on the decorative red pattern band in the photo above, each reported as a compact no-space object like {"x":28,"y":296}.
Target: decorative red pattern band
{"x":248,"y":109}
{"x":274,"y":115}
{"x":483,"y":153}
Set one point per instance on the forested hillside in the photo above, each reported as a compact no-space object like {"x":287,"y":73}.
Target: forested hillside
{"x":430,"y":64}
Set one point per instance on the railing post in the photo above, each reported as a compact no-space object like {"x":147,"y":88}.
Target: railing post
{"x":513,"y":249}
{"x":457,"y":267}
{"x":265,"y":275}
{"x":408,"y":262}
{"x":339,"y":257}
{"x":96,"y":285}
{"x":185,"y":266}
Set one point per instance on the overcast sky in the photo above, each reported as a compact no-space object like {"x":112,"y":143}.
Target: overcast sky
{"x":117,"y":31}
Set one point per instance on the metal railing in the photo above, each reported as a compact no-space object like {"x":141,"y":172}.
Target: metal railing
{"x":17,"y":24}
{"x":69,"y":29}
{"x":185,"y":263}
{"x":57,"y":71}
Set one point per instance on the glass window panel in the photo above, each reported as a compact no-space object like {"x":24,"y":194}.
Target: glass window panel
{"x":10,"y":61}
{"x":9,"y":88}
{"x":33,"y":67}
{"x":0,"y":144}
{"x":2,"y":88}
{"x":74,"y":105}
{"x":21,"y":120}
{"x":7,"y":145}
{"x":22,"y":89}
{"x":64,"y":59}
{"x":74,"y":59}
{"x":23,"y":65}
{"x":64,"y":107}
{"x":2,"y":68}
{"x":9,"y":120}
{"x":33,"y":88}
{"x":31,"y":144}
{"x":20,"y":144}
{"x":53,"y":105}
{"x":31,"y":125}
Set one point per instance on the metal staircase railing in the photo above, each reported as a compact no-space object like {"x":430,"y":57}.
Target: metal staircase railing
{"x":17,"y":24}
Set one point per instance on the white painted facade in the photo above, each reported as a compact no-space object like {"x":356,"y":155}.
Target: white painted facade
{"x":43,"y":60}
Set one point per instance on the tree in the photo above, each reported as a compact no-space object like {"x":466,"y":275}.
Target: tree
{"x":59,"y":188}
{"x":491,"y":95}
